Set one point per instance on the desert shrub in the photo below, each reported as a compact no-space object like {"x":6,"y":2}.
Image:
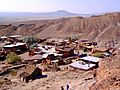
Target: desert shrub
{"x":1,"y":83}
{"x":14,"y":72}
{"x":13,"y":58}
{"x":32,"y":46}
{"x":55,"y":67}
{"x":97,"y":55}
{"x":74,"y":38}
{"x":30,"y":40}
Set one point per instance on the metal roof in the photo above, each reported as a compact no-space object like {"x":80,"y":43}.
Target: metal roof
{"x":14,"y":45}
{"x":79,"y":65}
{"x":91,"y":58}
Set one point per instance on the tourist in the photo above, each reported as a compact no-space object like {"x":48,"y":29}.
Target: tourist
{"x":67,"y":87}
{"x":62,"y":88}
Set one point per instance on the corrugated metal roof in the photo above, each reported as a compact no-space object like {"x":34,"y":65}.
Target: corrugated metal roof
{"x":14,"y":45}
{"x":81,"y":66}
{"x":91,"y":58}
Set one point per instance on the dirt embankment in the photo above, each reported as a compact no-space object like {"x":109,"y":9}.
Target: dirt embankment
{"x":108,"y":74}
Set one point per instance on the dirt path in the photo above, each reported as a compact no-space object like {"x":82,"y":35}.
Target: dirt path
{"x":54,"y":81}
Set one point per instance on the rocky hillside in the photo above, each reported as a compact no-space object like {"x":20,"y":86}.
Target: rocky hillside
{"x":108,"y":74}
{"x":103,"y":28}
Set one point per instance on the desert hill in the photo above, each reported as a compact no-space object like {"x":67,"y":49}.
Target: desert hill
{"x":7,"y":17}
{"x":104,"y":29}
{"x":108,"y":77}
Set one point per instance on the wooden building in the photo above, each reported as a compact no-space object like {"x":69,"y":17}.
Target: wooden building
{"x":17,"y":48}
{"x":31,"y":72}
{"x":100,"y":49}
{"x":3,"y":38}
{"x":66,"y":51}
{"x":33,"y":59}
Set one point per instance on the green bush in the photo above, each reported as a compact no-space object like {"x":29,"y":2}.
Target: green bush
{"x":97,"y":55}
{"x":30,"y":39}
{"x":13,"y":58}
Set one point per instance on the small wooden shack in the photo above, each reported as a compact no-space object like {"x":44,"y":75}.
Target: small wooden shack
{"x":16,"y":37}
{"x":66,"y":51}
{"x":100,"y":49}
{"x":31,"y":72}
{"x":17,"y":48}
{"x":47,"y":58}
{"x":86,"y":63}
{"x":33,"y":59}
{"x":82,"y":65}
{"x":3,"y":38}
{"x":2,"y":55}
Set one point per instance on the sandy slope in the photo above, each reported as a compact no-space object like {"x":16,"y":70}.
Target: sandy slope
{"x":54,"y":81}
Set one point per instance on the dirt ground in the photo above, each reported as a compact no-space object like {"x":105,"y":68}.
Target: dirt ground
{"x":76,"y":79}
{"x":108,"y":74}
{"x":54,"y":81}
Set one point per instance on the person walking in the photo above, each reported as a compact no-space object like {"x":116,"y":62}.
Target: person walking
{"x":67,"y":87}
{"x":62,"y":88}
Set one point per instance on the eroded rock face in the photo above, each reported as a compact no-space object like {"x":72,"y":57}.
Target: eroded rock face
{"x":108,"y":74}
{"x":104,"y":29}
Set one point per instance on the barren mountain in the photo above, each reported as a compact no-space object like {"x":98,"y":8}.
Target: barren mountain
{"x":103,"y":28}
{"x":6,"y":17}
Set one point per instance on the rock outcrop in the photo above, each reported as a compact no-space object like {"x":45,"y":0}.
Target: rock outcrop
{"x":108,"y":74}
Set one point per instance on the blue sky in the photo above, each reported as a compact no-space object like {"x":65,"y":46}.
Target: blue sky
{"x":75,"y":6}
